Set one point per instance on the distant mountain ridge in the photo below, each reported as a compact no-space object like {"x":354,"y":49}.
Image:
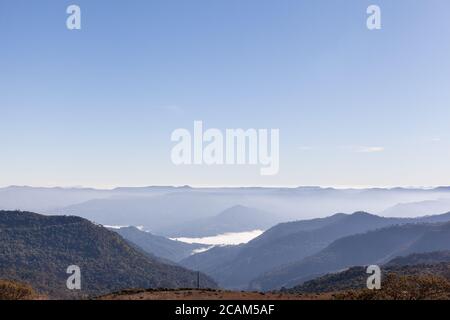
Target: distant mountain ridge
{"x":420,"y":208}
{"x":166,"y":208}
{"x":38,"y":249}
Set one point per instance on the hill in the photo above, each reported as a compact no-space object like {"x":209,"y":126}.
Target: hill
{"x":373,"y":247}
{"x":162,"y":210}
{"x":398,"y":287}
{"x":414,"y":209}
{"x":13,"y":290}
{"x":429,"y":263}
{"x":234,"y":219}
{"x":157,"y":245}
{"x":427,"y":258}
{"x":235,"y":267}
{"x":38,"y":249}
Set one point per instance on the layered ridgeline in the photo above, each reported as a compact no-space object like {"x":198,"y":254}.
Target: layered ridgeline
{"x":167,"y":211}
{"x":158,"y":246}
{"x":374,"y":247}
{"x":435,"y":263}
{"x":181,"y":212}
{"x":37,"y":250}
{"x":236,"y":266}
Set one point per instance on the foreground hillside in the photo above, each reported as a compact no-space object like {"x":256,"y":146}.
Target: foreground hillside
{"x":374,"y":247}
{"x":13,"y":290}
{"x":37,"y":250}
{"x":423,"y":264}
{"x":414,"y":277}
{"x":396,"y":287}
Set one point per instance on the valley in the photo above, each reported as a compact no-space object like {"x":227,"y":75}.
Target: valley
{"x":300,"y":259}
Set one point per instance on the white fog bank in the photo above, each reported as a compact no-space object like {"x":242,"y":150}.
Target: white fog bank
{"x":224,"y":239}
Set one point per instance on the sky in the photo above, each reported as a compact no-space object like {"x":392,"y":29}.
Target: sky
{"x":96,"y":107}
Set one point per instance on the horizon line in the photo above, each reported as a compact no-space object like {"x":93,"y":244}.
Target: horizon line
{"x":187,"y":186}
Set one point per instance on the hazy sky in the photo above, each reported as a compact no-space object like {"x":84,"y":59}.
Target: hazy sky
{"x":96,"y":107}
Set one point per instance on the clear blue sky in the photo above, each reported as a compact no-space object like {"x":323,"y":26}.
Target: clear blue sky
{"x":96,"y":107}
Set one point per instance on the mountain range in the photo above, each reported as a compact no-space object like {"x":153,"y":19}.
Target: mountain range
{"x":179,"y":211}
{"x":284,"y":244}
{"x":436,"y":263}
{"x":232,"y":220}
{"x":158,"y":246}
{"x":414,"y":209}
{"x":373,"y":247}
{"x":38,"y":249}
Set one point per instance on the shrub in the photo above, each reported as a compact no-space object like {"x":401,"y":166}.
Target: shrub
{"x":397,"y":287}
{"x":10,"y":290}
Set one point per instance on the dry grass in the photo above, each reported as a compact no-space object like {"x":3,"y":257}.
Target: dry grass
{"x":11,"y":290}
{"x":396,"y":287}
{"x":188,"y":294}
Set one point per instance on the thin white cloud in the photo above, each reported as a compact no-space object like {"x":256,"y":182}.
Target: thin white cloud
{"x":305,"y":148}
{"x":358,"y":149}
{"x":369,"y":149}
{"x":362,"y":149}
